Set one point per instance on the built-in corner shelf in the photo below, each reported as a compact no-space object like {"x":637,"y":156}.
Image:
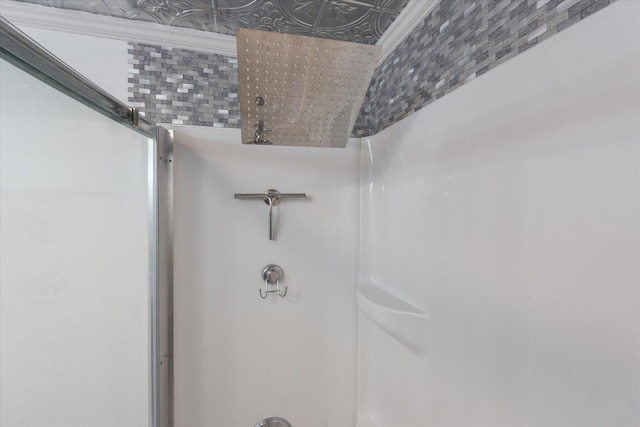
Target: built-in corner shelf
{"x":398,"y":318}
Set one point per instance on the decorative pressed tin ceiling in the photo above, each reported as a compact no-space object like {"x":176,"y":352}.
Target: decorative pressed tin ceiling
{"x":360,"y":21}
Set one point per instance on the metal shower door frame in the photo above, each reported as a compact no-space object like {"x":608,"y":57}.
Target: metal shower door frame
{"x":161,"y":275}
{"x":26,"y":54}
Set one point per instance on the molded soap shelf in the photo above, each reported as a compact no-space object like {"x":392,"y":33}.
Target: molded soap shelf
{"x":398,"y":318}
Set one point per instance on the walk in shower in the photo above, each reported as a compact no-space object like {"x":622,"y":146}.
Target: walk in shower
{"x":84,"y":250}
{"x":469,"y":259}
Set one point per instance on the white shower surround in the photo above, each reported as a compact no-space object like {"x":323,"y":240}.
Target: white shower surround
{"x":506,"y":214}
{"x":497,"y":243}
{"x":240,"y":358}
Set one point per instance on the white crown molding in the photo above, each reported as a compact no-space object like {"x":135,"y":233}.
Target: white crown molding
{"x":71,"y":21}
{"x":411,"y":16}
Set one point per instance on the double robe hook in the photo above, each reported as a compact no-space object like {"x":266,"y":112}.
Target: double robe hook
{"x":272,"y":275}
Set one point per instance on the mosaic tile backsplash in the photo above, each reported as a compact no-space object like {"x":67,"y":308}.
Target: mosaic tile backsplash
{"x":184,"y":87}
{"x":459,"y":41}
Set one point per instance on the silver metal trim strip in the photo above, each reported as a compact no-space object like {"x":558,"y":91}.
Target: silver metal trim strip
{"x":152,"y":205}
{"x":161,"y":272}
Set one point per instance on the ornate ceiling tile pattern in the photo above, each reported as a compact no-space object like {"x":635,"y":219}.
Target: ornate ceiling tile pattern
{"x":360,"y":21}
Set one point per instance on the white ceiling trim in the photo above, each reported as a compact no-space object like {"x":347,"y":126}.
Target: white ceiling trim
{"x":89,"y":24}
{"x":411,"y":16}
{"x":71,"y":21}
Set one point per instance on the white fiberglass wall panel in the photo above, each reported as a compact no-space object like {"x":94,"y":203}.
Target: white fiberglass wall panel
{"x":502,"y":222}
{"x":239,"y":358}
{"x":74,"y":292}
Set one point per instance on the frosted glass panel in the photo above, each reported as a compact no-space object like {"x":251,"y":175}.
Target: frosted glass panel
{"x":74,"y":294}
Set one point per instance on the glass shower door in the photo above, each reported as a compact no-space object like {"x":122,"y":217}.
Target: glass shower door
{"x":74,"y":262}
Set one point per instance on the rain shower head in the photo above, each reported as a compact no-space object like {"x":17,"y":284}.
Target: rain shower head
{"x":303,"y":91}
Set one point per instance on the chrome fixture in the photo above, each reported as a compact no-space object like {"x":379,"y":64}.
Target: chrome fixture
{"x":272,"y":198}
{"x":308,"y":90}
{"x":272,"y":274}
{"x":259,"y":136}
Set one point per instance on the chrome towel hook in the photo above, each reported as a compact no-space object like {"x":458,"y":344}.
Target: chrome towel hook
{"x":272,"y":274}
